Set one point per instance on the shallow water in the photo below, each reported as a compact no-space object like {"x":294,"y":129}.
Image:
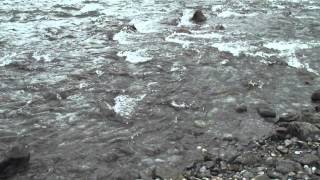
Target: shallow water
{"x":93,"y":98}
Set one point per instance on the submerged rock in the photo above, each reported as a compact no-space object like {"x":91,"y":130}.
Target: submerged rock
{"x":198,"y":17}
{"x":315,"y":97}
{"x":266,"y":112}
{"x":289,"y":117}
{"x":14,"y":161}
{"x":241,"y":108}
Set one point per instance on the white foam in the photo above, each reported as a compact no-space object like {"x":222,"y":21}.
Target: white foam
{"x":122,"y":37}
{"x":185,"y":19}
{"x":91,"y":7}
{"x":42,"y":57}
{"x":235,"y":48}
{"x":174,"y":39}
{"x":202,"y":35}
{"x":288,"y":49}
{"x":125,"y":105}
{"x":146,"y":26}
{"x":217,"y":8}
{"x":135,"y":57}
{"x":7,"y":59}
{"x":227,"y":14}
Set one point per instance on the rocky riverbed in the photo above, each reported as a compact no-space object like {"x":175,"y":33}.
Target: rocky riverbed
{"x":159,"y":89}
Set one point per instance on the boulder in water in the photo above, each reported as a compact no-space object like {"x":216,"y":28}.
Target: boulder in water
{"x":315,"y":97}
{"x":198,"y":17}
{"x":14,"y":161}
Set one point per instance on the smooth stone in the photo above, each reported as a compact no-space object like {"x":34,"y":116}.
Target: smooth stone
{"x":266,"y":112}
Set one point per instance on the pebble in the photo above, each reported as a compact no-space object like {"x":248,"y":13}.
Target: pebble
{"x":283,"y":149}
{"x":200,"y":123}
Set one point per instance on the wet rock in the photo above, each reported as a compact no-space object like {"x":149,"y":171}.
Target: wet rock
{"x":282,"y":149}
{"x":310,"y":117}
{"x":241,"y":108}
{"x":274,"y":174}
{"x":200,"y":123}
{"x":220,"y":27}
{"x":124,"y":174}
{"x":317,"y":108}
{"x":266,"y":112}
{"x":247,"y":174}
{"x":204,"y":172}
{"x":183,"y":30}
{"x":289,"y":117}
{"x":304,"y":130}
{"x":248,"y":158}
{"x":166,"y":172}
{"x":209,"y":164}
{"x":14,"y":161}
{"x":315,"y":97}
{"x":229,"y":137}
{"x":286,"y":166}
{"x":130,"y":28}
{"x":262,"y":177}
{"x":306,"y":159}
{"x":198,"y":17}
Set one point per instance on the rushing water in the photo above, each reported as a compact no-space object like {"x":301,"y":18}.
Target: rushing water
{"x":93,"y":98}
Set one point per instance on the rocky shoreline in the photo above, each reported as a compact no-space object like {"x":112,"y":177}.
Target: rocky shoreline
{"x":291,"y":152}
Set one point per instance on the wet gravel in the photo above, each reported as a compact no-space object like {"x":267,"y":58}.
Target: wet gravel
{"x":136,"y":89}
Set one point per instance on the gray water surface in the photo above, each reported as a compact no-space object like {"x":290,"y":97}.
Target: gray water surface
{"x":92,"y":98}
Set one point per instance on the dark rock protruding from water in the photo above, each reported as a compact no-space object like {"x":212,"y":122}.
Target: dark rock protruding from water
{"x":266,"y":112}
{"x":315,"y":97}
{"x":198,"y":17}
{"x":241,"y":108}
{"x":14,"y":161}
{"x":220,"y":27}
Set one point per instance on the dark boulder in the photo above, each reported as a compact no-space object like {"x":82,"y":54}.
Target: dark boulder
{"x":315,"y":97}
{"x":198,"y":17}
{"x":266,"y":112}
{"x":14,"y":161}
